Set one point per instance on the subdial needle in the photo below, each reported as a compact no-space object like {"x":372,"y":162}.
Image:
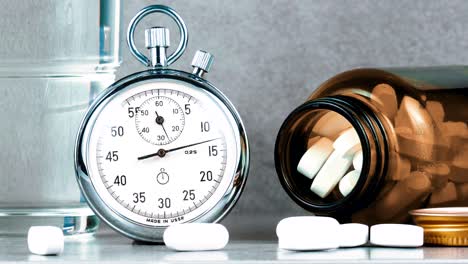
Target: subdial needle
{"x":160,"y":121}
{"x":162,"y":152}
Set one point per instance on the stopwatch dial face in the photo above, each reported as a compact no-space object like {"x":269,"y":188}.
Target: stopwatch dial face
{"x":163,"y":152}
{"x":159,"y":120}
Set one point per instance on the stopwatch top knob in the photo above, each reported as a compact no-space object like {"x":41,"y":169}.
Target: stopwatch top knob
{"x":157,"y":41}
{"x":157,"y":37}
{"x":202,"y":62}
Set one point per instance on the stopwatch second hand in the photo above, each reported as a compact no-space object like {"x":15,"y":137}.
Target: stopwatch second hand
{"x":160,"y":121}
{"x":162,"y":152}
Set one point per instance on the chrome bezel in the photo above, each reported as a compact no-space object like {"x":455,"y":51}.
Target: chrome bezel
{"x":118,"y":222}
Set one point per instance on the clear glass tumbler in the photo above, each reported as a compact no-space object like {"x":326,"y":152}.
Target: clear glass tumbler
{"x":52,"y":65}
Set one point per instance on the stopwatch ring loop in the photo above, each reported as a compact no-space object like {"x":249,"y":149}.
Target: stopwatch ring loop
{"x":157,"y":9}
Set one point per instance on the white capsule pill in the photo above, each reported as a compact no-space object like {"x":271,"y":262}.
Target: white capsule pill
{"x":301,"y":224}
{"x":331,"y":173}
{"x":315,"y":156}
{"x":347,"y":142}
{"x":385,"y":98}
{"x":444,"y":195}
{"x":308,"y":233}
{"x":196,"y":237}
{"x":311,"y":141}
{"x":45,"y":240}
{"x":353,"y":235}
{"x":436,"y":110}
{"x":397,"y":235}
{"x":415,"y":130}
{"x":357,"y":160}
{"x":330,"y":125}
{"x":348,"y":182}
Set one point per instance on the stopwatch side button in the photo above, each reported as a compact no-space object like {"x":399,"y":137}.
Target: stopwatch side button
{"x":157,"y":40}
{"x":202,"y":62}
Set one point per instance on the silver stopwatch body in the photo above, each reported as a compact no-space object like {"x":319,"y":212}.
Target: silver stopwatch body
{"x":161,"y":146}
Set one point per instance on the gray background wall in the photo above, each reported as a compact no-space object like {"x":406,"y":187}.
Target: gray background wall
{"x":271,"y":54}
{"x":269,"y":57}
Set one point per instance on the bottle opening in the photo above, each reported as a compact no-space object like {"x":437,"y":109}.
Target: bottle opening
{"x":326,"y":156}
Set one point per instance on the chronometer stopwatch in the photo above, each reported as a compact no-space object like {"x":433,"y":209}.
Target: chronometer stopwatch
{"x":161,"y":146}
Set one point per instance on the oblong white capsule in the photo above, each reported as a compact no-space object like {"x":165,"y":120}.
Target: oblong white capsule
{"x":315,"y":157}
{"x":353,"y":235}
{"x":331,"y":173}
{"x":348,"y":142}
{"x":357,"y":160}
{"x":308,"y":233}
{"x":348,"y":182}
{"x":330,"y":125}
{"x":397,"y":235}
{"x":196,"y":237}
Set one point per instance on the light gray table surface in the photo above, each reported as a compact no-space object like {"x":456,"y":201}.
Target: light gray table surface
{"x":112,"y":248}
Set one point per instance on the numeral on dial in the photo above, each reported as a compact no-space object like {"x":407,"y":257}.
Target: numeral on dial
{"x":120,"y":180}
{"x":213,"y":150}
{"x":187,"y":109}
{"x":164,"y":203}
{"x":205,"y":126}
{"x":132,"y":111}
{"x":206,"y":176}
{"x":117,"y":131}
{"x":112,"y":156}
{"x":139,"y":197}
{"x":189,"y":195}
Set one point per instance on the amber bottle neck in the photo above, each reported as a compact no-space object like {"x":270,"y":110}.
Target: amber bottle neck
{"x":374,"y":147}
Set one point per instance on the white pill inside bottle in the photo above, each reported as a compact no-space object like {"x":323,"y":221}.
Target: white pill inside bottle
{"x":357,"y":160}
{"x":45,"y":240}
{"x":331,"y":173}
{"x":315,"y":157}
{"x":348,"y":142}
{"x":196,"y":237}
{"x":330,"y":125}
{"x":348,"y":182}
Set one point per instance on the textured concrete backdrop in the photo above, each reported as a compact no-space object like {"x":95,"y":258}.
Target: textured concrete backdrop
{"x":271,"y":54}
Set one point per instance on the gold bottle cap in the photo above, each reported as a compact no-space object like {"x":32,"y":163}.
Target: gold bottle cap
{"x":443,"y":226}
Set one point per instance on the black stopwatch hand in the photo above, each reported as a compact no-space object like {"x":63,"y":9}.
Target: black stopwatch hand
{"x":162,"y":152}
{"x":160,"y":121}
{"x":190,"y":145}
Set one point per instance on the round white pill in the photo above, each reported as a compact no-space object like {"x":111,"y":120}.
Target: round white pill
{"x":357,"y":160}
{"x":348,"y":182}
{"x":45,"y":240}
{"x":353,"y":235}
{"x":308,"y":233}
{"x":330,"y":174}
{"x":348,"y":142}
{"x":196,"y":236}
{"x":397,"y":235}
{"x":315,"y":157}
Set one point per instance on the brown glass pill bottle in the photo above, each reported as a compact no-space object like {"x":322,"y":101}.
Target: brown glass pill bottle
{"x":411,"y":126}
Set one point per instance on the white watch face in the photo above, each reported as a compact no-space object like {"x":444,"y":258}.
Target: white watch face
{"x":162,"y":152}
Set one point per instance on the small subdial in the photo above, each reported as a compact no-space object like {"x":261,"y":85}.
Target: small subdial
{"x":162,"y":177}
{"x":160,"y":120}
